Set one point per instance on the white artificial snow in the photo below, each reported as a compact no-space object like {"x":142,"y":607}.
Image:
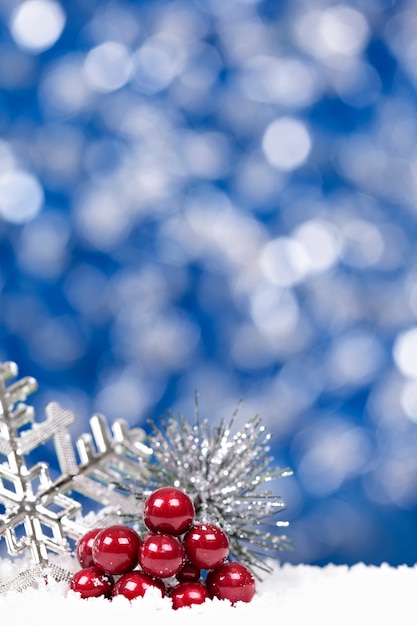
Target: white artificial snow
{"x":292,"y":595}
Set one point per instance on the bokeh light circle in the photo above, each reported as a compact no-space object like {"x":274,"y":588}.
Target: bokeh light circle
{"x":36,"y":25}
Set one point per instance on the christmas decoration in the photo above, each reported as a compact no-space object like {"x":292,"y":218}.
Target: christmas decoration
{"x":231,"y":581}
{"x":161,"y":555}
{"x":177,"y":480}
{"x":135,"y":584}
{"x":189,"y":593}
{"x":92,"y":582}
{"x":84,"y":547}
{"x":38,"y":513}
{"x":168,"y":510}
{"x":206,"y":545}
{"x":115,"y":549}
{"x":188,"y":573}
{"x":133,"y":564}
{"x":224,"y":474}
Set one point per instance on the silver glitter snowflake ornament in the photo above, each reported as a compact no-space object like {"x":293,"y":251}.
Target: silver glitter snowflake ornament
{"x":225,"y":474}
{"x":39,"y":514}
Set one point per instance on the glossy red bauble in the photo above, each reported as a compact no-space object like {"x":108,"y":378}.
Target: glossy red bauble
{"x":188,"y":593}
{"x":84,"y":547}
{"x":231,"y":581}
{"x":92,"y":582}
{"x":161,"y":555}
{"x":206,"y":546}
{"x":188,"y":573}
{"x":135,"y":584}
{"x":168,"y":510}
{"x":115,"y":549}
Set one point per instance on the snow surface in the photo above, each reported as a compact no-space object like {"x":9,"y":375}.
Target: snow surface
{"x":292,"y":595}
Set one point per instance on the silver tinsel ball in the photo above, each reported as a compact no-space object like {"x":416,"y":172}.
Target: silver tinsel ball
{"x":225,"y":474}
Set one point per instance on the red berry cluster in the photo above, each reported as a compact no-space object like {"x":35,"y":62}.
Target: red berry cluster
{"x":180,"y":557}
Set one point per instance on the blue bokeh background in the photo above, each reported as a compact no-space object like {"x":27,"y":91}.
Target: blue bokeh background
{"x":211,"y":196}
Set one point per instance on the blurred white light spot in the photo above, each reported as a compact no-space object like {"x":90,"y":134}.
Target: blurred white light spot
{"x":288,"y":81}
{"x":408,"y":399}
{"x":163,"y":341}
{"x":158,"y":62}
{"x":169,"y":341}
{"x":343,"y":30}
{"x":58,"y":342}
{"x":274,"y":311}
{"x":322,"y":242}
{"x":362,"y":161}
{"x":59,"y":148}
{"x":108,"y":66}
{"x":284,"y":261}
{"x":335,"y":452}
{"x":394,"y":481}
{"x":257,"y":182}
{"x":181,"y":20}
{"x":102,"y":157}
{"x":384,"y":400}
{"x":218,"y":229}
{"x":357,"y":83}
{"x":202,"y":68}
{"x":301,"y":367}
{"x":363,"y":245}
{"x":21,"y":196}
{"x":43,"y":245}
{"x":37,"y":24}
{"x":86,"y":289}
{"x":412,"y":299}
{"x":337,"y":31}
{"x":126,"y":397}
{"x":251,"y":350}
{"x":102,"y":219}
{"x":405,"y":352}
{"x":7,"y":159}
{"x":286,"y":143}
{"x":207,"y":155}
{"x":354,"y":359}
{"x":113,"y":21}
{"x":145,"y":290}
{"x":17,"y":68}
{"x":396,"y":246}
{"x":63,"y":89}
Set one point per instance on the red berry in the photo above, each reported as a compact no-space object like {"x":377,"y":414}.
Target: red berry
{"x":188,"y":593}
{"x":115,"y":549}
{"x":231,"y":581}
{"x":206,"y":546}
{"x":161,"y":555}
{"x":188,"y":573}
{"x":84,"y":547}
{"x":168,"y":510}
{"x":92,"y":582}
{"x":135,"y":584}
